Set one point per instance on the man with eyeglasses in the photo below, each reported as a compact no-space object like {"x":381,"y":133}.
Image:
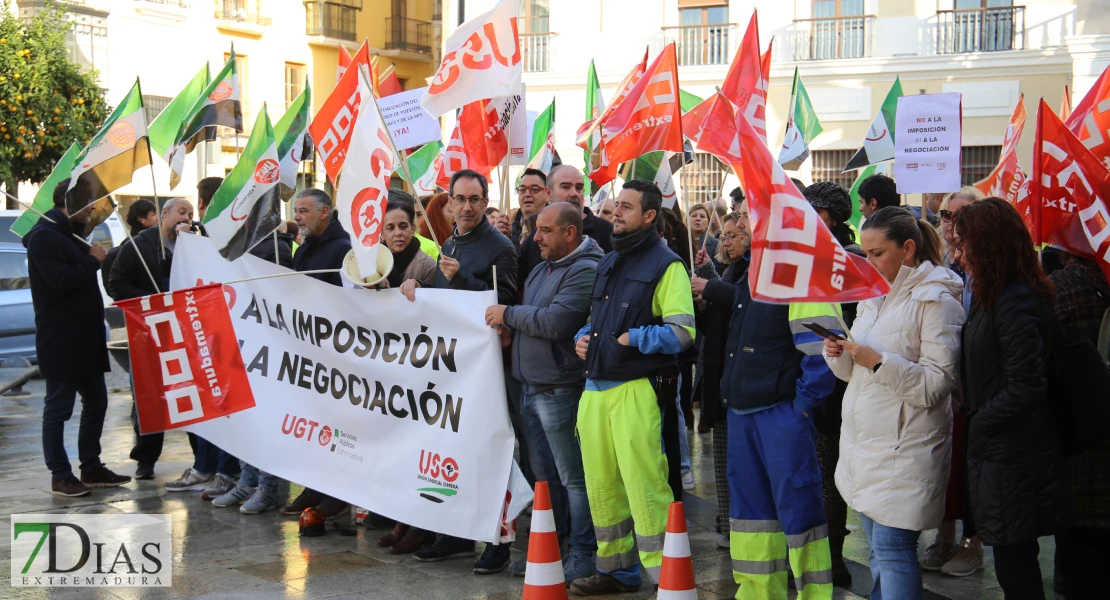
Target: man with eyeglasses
{"x":467,"y":262}
{"x":532,"y":195}
{"x":642,"y":317}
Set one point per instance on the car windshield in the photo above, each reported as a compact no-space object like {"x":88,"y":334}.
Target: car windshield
{"x":13,"y":271}
{"x":101,"y":233}
{"x":6,"y":236}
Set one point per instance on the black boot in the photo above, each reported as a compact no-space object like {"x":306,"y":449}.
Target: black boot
{"x":841,"y":576}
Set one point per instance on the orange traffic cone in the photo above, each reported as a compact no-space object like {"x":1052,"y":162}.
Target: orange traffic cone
{"x":544,"y":578}
{"x":676,"y":578}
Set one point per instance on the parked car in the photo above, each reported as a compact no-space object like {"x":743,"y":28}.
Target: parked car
{"x":17,"y":314}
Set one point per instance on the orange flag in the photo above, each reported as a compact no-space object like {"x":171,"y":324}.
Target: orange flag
{"x":1006,"y":178}
{"x":586,"y":130}
{"x":744,"y":84}
{"x":332,"y":126}
{"x":344,"y":62}
{"x":648,"y":119}
{"x":1090,"y":120}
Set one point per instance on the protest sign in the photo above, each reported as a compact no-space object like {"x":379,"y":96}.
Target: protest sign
{"x":184,"y":358}
{"x":520,"y":133}
{"x":410,"y":124}
{"x":927,"y":143}
{"x":391,"y":405}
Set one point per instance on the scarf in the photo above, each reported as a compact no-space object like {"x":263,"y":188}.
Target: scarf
{"x":401,"y":262}
{"x":624,"y":243}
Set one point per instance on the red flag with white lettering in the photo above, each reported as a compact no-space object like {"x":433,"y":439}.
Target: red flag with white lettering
{"x":795,"y":258}
{"x":589,"y":135}
{"x":1065,"y":104}
{"x":184,"y":358}
{"x":1090,"y":120}
{"x":1006,"y":178}
{"x":455,"y":157}
{"x":482,"y":127}
{"x":1068,"y":192}
{"x":717,"y":134}
{"x":745,"y":83}
{"x":649,"y":119}
{"x":331,"y":128}
{"x":344,"y":63}
{"x":482,"y":59}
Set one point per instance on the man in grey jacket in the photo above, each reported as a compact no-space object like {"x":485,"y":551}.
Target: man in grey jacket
{"x":556,"y":305}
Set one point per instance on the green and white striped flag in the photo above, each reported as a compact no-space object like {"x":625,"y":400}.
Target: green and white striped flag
{"x":246,"y":208}
{"x":291,"y":133}
{"x":879,"y":143}
{"x":44,"y":199}
{"x":120,"y":148}
{"x":542,"y":153}
{"x":422,"y":168}
{"x":801,"y":127}
{"x":869,"y":170}
{"x":595,"y":105}
{"x":164,"y":128}
{"x":218,"y":105}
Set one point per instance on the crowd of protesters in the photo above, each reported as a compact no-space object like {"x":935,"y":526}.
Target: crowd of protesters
{"x":934,"y":404}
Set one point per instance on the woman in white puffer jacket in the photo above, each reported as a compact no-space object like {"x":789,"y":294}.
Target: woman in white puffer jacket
{"x":896,"y":437}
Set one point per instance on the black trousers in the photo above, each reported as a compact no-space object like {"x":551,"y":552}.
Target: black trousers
{"x":1019,"y":571}
{"x":148,"y":447}
{"x":666,"y":390}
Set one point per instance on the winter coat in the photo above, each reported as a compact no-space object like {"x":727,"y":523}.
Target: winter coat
{"x":477,"y":252}
{"x":712,"y":324}
{"x":70,"y":336}
{"x":600,"y":230}
{"x":1015,"y":473}
{"x":325,"y":251}
{"x":556,"y":305}
{"x":896,"y":436}
{"x":265,"y":250}
{"x":422,"y":268}
{"x":129,"y":278}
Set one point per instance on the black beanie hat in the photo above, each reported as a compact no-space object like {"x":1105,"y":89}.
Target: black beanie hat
{"x":831,"y":197}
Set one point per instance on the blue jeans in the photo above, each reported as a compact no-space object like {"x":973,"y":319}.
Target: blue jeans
{"x":548,"y":420}
{"x":683,"y":442}
{"x":58,"y":408}
{"x":251,"y":476}
{"x":894,"y":567}
{"x":210,"y":459}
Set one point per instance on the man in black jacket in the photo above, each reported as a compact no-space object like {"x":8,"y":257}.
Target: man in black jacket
{"x":141,"y":270}
{"x":141,"y":216}
{"x":466,"y":263}
{"x":71,"y":341}
{"x":325,"y":246}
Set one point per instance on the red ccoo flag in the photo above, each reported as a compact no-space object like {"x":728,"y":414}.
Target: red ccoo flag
{"x":590,"y":129}
{"x":717,"y":134}
{"x":1090,"y":120}
{"x":332,"y":126}
{"x":745,"y":84}
{"x":389,"y":85}
{"x":794,"y":256}
{"x":185,"y":358}
{"x":1006,"y":178}
{"x":1065,"y":104}
{"x":344,"y":63}
{"x":649,"y":119}
{"x":1067,"y":193}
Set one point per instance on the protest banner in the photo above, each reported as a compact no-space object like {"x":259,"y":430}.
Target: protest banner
{"x":410,"y":124}
{"x":184,"y":358}
{"x":927,"y":143}
{"x":391,"y":405}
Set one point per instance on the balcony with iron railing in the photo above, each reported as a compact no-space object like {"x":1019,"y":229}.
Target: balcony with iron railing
{"x":832,"y":38}
{"x":246,"y":12}
{"x":536,"y":49}
{"x":703,"y":44}
{"x":980,"y":29}
{"x":408,"y":35}
{"x":334,"y":19}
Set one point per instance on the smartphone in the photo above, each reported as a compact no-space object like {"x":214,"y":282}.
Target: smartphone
{"x":821,"y":331}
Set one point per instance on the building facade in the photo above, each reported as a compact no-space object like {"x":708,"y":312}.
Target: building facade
{"x":848,"y":53}
{"x":279,"y":46}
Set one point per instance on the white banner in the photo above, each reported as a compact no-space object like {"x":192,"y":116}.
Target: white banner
{"x":409,"y":123}
{"x":391,"y":405}
{"x":927,"y":143}
{"x":520,"y":130}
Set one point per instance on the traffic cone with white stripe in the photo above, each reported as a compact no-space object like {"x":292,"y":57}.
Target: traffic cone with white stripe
{"x":676,"y":578}
{"x":544,"y":578}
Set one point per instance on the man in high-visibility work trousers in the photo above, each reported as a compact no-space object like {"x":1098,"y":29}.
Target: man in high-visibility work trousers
{"x":642,"y":316}
{"x":774,"y":377}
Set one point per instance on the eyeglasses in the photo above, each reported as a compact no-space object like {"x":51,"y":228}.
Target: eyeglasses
{"x":535,"y":189}
{"x":473,"y":200}
{"x":946,"y":216}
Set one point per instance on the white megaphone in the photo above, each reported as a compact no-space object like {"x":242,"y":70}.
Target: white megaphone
{"x":384,"y":266}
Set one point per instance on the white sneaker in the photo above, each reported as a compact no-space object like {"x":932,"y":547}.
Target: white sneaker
{"x":220,"y":485}
{"x":688,"y":481}
{"x":190,"y":481}
{"x":238,"y":495}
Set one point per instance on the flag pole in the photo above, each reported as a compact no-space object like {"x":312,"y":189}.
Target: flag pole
{"x":287,"y":274}
{"x":140,"y":254}
{"x":404,"y":165}
{"x":48,"y":219}
{"x":153,"y":187}
{"x":276,"y":252}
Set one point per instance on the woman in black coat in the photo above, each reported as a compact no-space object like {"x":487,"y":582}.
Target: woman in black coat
{"x":1016,"y":481}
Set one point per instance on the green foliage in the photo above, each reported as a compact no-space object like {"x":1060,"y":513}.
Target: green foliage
{"x":46,"y":101}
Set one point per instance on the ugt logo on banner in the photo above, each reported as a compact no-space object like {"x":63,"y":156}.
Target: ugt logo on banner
{"x":185,"y":358}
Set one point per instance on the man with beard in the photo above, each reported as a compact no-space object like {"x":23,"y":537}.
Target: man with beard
{"x":70,"y":339}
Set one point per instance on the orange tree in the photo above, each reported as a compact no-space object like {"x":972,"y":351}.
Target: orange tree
{"x":47,"y":101}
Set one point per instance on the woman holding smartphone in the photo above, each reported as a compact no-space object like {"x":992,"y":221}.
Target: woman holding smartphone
{"x":896,"y":436}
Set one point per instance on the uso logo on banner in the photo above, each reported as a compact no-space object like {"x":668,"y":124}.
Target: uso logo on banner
{"x":185,"y":358}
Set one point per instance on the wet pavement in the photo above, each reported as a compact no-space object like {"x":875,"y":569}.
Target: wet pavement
{"x":220,"y":553}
